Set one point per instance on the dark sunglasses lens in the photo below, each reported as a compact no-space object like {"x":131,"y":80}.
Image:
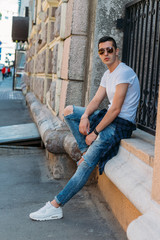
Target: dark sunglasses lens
{"x":110,"y":50}
{"x":101,"y":51}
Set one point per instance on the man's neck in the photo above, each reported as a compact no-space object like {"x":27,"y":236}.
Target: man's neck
{"x":114,"y":65}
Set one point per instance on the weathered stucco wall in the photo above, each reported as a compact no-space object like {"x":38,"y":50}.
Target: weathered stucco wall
{"x":107,"y":12}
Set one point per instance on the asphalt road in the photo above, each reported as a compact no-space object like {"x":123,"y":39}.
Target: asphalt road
{"x":25,"y":185}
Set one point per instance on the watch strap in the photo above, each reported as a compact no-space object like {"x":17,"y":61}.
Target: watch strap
{"x":95,"y":131}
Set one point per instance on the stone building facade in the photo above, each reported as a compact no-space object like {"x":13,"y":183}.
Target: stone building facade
{"x":63,"y":68}
{"x":62,"y":51}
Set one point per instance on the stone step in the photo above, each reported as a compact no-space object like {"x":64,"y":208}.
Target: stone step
{"x":145,"y":227}
{"x":131,"y":171}
{"x":141,"y":144}
{"x":132,"y":177}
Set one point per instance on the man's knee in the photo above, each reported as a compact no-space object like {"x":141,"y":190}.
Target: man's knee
{"x":68,"y":110}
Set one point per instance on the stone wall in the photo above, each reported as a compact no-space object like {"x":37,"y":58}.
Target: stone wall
{"x":69,"y":54}
{"x":105,"y":14}
{"x":63,"y":47}
{"x":39,"y":63}
{"x":58,"y":50}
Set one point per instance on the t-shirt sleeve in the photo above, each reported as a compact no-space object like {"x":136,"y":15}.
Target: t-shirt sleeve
{"x":103,"y":81}
{"x":126,"y":77}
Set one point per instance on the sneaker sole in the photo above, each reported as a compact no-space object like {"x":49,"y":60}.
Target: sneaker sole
{"x":47,"y":219}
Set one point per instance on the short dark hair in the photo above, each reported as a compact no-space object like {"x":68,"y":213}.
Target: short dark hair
{"x":107,"y":38}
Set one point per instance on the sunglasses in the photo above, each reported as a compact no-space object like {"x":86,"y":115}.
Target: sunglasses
{"x":101,"y":51}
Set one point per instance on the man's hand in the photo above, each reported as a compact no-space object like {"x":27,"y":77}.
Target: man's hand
{"x":84,"y":126}
{"x":91,"y":138}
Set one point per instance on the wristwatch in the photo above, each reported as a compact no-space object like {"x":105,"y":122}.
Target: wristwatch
{"x":95,"y":131}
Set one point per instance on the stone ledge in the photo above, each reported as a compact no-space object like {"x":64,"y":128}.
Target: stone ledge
{"x":132,"y":177}
{"x":141,"y":144}
{"x":71,"y":148}
{"x":131,"y":169}
{"x":145,"y":227}
{"x":54,"y":133}
{"x":52,"y":130}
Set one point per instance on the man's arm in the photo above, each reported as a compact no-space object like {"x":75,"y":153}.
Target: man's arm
{"x":112,"y":113}
{"x":92,"y":106}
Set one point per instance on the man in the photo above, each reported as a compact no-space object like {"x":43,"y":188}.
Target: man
{"x":98,"y":133}
{"x":9,"y":72}
{"x":3,"y":72}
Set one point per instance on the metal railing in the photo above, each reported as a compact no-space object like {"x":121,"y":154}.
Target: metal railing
{"x":141,"y":51}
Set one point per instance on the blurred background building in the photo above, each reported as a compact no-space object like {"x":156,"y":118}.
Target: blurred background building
{"x":7,"y":47}
{"x":20,"y":36}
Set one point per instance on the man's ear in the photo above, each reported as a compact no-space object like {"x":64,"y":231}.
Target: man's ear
{"x":117,"y":51}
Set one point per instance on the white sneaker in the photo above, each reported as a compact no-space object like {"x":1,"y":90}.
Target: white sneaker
{"x":48,"y":212}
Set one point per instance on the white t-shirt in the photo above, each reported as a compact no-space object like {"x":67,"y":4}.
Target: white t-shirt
{"x":123,"y":74}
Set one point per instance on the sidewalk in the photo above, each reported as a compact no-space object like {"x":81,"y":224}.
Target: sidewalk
{"x":25,"y":185}
{"x":6,"y":92}
{"x":13,"y":108}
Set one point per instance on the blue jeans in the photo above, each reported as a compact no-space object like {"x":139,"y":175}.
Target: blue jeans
{"x":91,"y":157}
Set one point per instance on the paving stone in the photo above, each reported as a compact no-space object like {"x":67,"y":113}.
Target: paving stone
{"x":6,"y":92}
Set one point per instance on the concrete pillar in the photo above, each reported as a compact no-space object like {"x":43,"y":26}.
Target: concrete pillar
{"x":156,"y":169}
